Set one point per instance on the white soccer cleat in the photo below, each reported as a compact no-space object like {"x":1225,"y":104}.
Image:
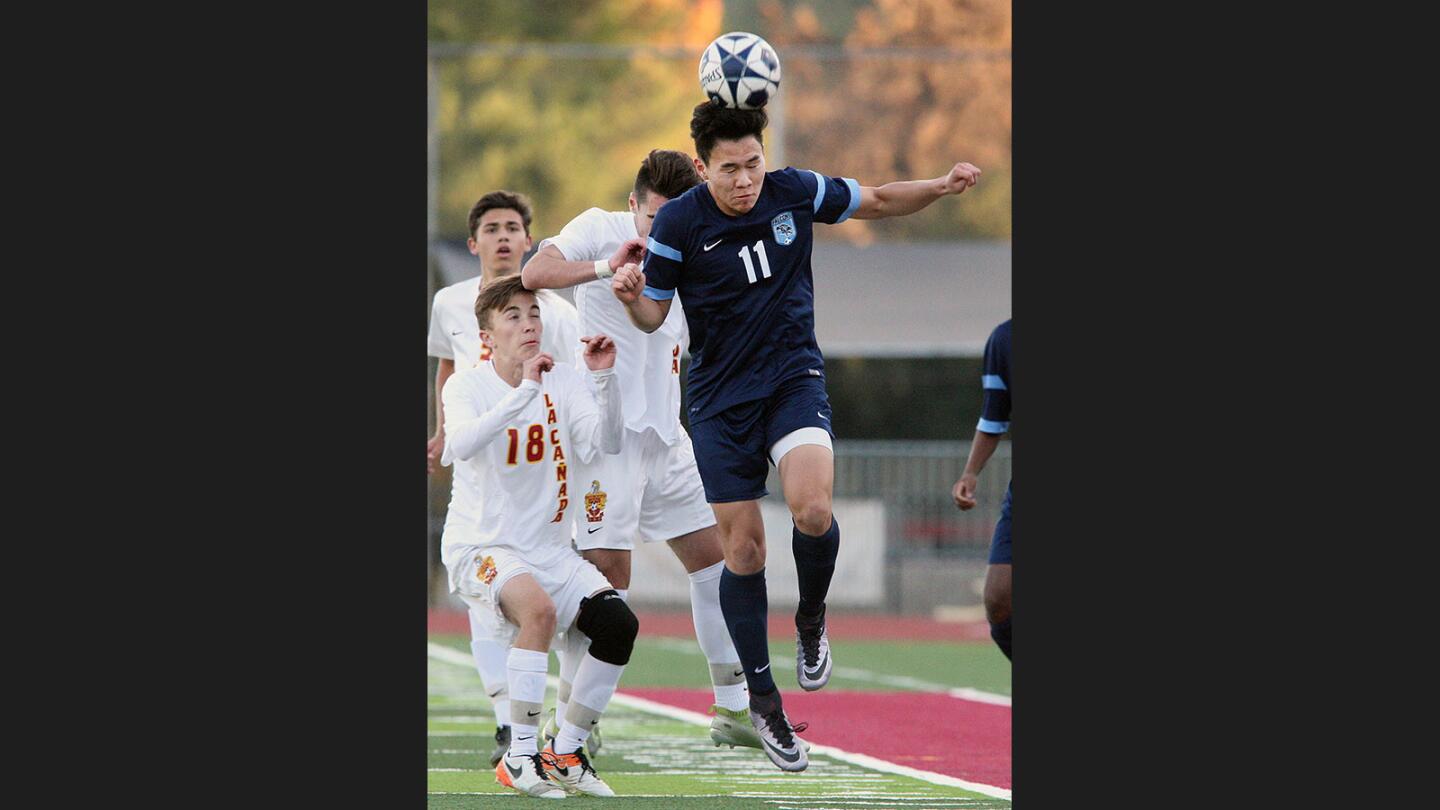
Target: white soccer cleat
{"x":778,"y":740}
{"x":812,"y":652}
{"x":526,"y":774}
{"x":573,"y":772}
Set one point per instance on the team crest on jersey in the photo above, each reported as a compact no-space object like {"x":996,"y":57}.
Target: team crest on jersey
{"x":783,"y":226}
{"x":486,"y":571}
{"x":595,"y":503}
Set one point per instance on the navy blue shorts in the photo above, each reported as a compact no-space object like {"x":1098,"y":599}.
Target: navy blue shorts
{"x":732,"y":448}
{"x":1000,"y":543}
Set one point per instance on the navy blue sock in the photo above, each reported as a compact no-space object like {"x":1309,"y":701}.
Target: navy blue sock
{"x":745,"y":606}
{"x":815,"y":565}
{"x":1000,"y":631}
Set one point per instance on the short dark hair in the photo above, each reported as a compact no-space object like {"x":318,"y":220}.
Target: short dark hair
{"x":711,"y":122}
{"x":667,"y":173}
{"x":495,"y":296}
{"x":500,"y":199}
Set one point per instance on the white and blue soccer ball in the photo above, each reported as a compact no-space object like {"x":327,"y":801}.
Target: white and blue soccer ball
{"x":740,"y":70}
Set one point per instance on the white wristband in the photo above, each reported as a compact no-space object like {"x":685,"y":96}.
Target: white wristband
{"x":602,"y":269}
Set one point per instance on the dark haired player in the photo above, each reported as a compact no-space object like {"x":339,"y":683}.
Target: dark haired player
{"x":737,"y":250}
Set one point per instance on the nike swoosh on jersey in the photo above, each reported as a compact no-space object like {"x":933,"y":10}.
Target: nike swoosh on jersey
{"x":707,"y":247}
{"x":592,"y":531}
{"x":762,"y":669}
{"x":822,"y":416}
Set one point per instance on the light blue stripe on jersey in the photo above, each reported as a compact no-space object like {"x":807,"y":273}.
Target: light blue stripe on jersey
{"x":992,"y":382}
{"x":854,"y":200}
{"x":658,"y":295}
{"x":985,"y":426}
{"x":819,"y":191}
{"x":662,"y":249}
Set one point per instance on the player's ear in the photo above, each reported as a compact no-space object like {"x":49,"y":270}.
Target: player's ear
{"x":473,"y":246}
{"x":700,"y":167}
{"x":634,"y":206}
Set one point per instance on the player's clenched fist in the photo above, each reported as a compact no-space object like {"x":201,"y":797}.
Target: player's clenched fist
{"x":628,"y":283}
{"x":536,"y":365}
{"x":964,"y":492}
{"x":599,"y":352}
{"x":963,"y":176}
{"x":630,"y":251}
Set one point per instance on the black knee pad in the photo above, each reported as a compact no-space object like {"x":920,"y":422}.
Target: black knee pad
{"x":611,"y":626}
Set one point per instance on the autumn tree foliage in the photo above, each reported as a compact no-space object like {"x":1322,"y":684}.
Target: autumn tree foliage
{"x":882,"y":118}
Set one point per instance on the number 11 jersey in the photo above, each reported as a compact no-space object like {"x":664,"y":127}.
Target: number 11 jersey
{"x":746,"y":283}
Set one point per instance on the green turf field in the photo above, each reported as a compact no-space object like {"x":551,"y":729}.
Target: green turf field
{"x":655,"y":761}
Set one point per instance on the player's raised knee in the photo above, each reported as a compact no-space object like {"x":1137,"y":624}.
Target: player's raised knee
{"x":812,"y":515}
{"x":611,"y":626}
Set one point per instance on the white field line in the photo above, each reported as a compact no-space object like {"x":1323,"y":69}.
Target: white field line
{"x":450,"y":656}
{"x":855,"y":673}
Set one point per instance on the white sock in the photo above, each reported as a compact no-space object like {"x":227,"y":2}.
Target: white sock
{"x":489,"y":656}
{"x":571,"y":738}
{"x":714,"y":638}
{"x":574,"y":649}
{"x":527,"y":670}
{"x":595,"y":683}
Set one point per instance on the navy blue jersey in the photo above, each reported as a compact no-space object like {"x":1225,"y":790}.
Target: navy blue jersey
{"x":745,"y":283}
{"x":995,"y":414}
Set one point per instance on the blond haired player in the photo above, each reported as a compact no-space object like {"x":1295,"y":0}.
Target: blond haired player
{"x":518,"y":421}
{"x":499,"y":228}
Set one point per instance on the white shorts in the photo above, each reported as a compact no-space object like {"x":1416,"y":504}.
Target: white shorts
{"x":484,"y":624}
{"x":648,"y":490}
{"x":567,"y":579}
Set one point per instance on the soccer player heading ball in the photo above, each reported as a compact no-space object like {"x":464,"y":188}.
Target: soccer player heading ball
{"x":737,"y":250}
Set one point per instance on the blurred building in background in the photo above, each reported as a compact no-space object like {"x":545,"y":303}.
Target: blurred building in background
{"x":562,"y":100}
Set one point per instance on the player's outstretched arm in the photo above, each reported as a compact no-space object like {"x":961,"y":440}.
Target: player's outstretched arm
{"x":629,"y":286}
{"x":468,"y":429}
{"x":908,"y":196}
{"x":548,"y":269}
{"x":597,"y":421}
{"x":981,"y":449}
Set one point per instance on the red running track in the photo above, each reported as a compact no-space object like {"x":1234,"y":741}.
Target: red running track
{"x":862,"y":626}
{"x":931,"y":732}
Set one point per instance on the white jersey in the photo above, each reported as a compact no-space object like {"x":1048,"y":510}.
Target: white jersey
{"x":648,"y":364}
{"x":517,"y":444}
{"x":455,"y":335}
{"x":455,"y":332}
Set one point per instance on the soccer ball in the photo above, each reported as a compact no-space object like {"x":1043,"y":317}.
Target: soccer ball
{"x":740,"y":70}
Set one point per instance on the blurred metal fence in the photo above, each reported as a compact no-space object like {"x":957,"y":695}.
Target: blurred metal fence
{"x":935,"y":555}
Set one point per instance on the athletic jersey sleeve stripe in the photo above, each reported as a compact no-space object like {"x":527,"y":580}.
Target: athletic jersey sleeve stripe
{"x":987,"y":426}
{"x":662,"y":249}
{"x":992,"y":382}
{"x":819,"y":191}
{"x":854,"y":199}
{"x":658,"y":295}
